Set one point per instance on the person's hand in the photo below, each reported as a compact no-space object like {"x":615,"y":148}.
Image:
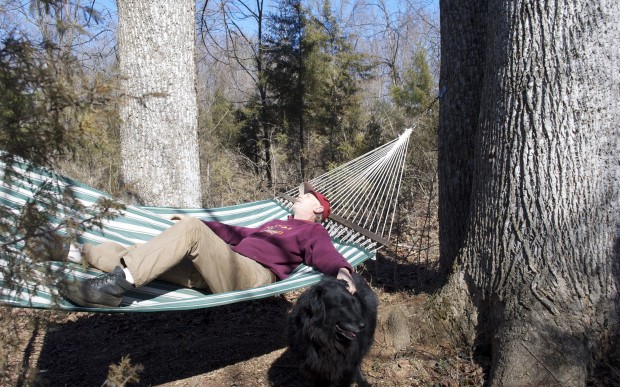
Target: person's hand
{"x":343,"y":274}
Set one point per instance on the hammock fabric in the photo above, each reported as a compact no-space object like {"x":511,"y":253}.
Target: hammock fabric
{"x":137,"y":225}
{"x":364,"y":190}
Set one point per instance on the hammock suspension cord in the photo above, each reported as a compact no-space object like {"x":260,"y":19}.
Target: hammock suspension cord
{"x":365,"y":191}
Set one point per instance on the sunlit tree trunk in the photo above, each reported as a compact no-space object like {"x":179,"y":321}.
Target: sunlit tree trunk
{"x":529,"y":178}
{"x":156,"y":44}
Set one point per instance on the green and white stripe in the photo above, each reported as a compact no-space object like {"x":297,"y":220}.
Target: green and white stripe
{"x":136,"y":225}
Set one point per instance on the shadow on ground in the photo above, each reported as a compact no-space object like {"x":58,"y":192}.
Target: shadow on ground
{"x":170,"y":346}
{"x":394,"y":275}
{"x":285,"y":373}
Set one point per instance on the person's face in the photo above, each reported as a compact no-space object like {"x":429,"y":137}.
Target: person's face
{"x":307,"y":204}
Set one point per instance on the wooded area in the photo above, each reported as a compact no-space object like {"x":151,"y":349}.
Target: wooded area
{"x":512,"y":171}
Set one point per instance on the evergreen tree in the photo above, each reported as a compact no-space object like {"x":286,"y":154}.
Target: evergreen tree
{"x":335,"y":97}
{"x":412,"y":107}
{"x":412,"y":100}
{"x":313,"y":75}
{"x":285,"y":51}
{"x":414,"y":94}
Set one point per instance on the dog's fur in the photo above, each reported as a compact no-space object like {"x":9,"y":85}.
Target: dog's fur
{"x":330,"y":331}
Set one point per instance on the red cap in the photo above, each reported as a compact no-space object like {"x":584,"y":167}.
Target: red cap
{"x":306,"y":187}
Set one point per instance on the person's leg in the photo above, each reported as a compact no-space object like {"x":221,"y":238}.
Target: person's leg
{"x":184,"y":274}
{"x":107,"y":256}
{"x":232,"y":271}
{"x":222,"y":268}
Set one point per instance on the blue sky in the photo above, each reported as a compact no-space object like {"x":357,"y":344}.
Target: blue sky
{"x":109,"y":6}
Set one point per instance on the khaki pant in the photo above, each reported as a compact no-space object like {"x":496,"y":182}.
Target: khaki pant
{"x":187,"y":254}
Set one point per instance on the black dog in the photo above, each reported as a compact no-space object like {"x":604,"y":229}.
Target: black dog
{"x":331,"y":330}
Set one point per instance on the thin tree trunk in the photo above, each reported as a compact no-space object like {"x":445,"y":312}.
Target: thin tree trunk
{"x":538,"y":229}
{"x":301,"y":108}
{"x":262,"y":91}
{"x":159,"y":140}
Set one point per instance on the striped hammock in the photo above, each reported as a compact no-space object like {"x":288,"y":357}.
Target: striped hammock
{"x":139,"y":224}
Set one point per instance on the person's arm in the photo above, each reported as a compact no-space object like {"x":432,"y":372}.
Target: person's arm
{"x":229,"y":234}
{"x":323,"y":256}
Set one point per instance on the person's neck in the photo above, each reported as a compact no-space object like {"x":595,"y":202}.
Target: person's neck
{"x":308,"y":218}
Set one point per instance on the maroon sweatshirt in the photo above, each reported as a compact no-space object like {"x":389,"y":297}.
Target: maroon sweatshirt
{"x":282,"y":245}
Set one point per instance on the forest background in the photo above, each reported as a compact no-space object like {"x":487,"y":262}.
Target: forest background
{"x":324,"y":82}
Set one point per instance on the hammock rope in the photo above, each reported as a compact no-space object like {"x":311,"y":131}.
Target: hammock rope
{"x":365,"y":190}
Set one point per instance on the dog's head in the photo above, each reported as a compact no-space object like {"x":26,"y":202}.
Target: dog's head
{"x":334,"y":310}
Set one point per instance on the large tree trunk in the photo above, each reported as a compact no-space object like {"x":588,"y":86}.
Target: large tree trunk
{"x":159,"y":137}
{"x":529,"y":178}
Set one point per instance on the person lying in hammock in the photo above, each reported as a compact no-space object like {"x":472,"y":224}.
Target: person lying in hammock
{"x":215,"y":256}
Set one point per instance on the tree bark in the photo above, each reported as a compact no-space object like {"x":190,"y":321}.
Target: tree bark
{"x":462,"y":58}
{"x":535,"y":225}
{"x":159,"y":140}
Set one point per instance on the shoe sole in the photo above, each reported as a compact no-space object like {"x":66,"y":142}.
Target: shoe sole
{"x":92,"y":305}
